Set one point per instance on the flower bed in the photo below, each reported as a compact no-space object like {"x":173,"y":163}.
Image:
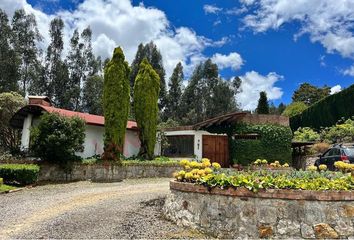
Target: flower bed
{"x":201,"y":173}
{"x":263,"y":204}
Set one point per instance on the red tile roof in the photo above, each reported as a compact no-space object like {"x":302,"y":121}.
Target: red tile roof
{"x":88,"y":118}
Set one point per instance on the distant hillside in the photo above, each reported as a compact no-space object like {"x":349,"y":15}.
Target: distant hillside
{"x":327,"y":111}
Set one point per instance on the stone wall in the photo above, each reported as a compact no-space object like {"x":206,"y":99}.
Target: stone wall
{"x":98,"y":172}
{"x":239,"y":213}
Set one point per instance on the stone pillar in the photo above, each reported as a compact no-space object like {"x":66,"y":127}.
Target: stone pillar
{"x":25,"y":139}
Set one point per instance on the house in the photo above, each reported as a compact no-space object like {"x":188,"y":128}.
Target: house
{"x":197,"y":141}
{"x":28,"y":116}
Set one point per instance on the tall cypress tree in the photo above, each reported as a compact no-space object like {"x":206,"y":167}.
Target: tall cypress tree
{"x":25,"y":39}
{"x":9,"y":63}
{"x":263,"y":105}
{"x":146,"y":93}
{"x":153,"y":55}
{"x":116,"y":96}
{"x":174,"y":96}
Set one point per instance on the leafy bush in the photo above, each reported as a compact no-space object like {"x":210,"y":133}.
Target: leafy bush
{"x":253,"y":181}
{"x":274,"y":144}
{"x":341,"y":132}
{"x":306,"y":134}
{"x":10,"y":138}
{"x":19,"y":174}
{"x":57,"y":138}
{"x":327,"y":111}
{"x":1,"y":181}
{"x":294,"y":109}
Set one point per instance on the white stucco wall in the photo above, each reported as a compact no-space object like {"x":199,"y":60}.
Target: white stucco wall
{"x":26,"y":132}
{"x":94,"y":142}
{"x":198,"y":140}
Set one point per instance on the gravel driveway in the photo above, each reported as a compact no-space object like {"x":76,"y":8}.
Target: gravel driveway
{"x":128,"y":209}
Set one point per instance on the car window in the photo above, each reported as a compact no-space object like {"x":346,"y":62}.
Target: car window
{"x":328,"y":153}
{"x":336,"y":152}
{"x":349,"y":151}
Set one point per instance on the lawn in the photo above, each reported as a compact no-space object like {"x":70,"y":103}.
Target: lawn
{"x":4,"y":188}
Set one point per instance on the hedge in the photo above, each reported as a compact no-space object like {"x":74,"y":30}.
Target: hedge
{"x":326,"y":112}
{"x":274,"y":144}
{"x":19,"y":174}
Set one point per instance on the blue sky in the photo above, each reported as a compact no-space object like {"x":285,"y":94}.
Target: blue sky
{"x":276,"y":46}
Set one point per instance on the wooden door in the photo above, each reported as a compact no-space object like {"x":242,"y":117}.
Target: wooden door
{"x":216,"y":148}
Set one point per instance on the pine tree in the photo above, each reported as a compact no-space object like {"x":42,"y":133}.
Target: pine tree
{"x":173,"y":102}
{"x":9,"y":63}
{"x":263,"y":105}
{"x":116,"y":94}
{"x":222,"y":100}
{"x":75,"y":62}
{"x":146,"y":93}
{"x":281,"y":108}
{"x":57,"y":73}
{"x":25,"y":39}
{"x":92,"y":95}
{"x":153,"y":55}
{"x":192,"y":98}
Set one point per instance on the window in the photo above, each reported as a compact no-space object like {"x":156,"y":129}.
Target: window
{"x":179,"y":146}
{"x":252,"y":136}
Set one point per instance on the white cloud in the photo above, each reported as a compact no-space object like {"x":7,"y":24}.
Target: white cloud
{"x":119,"y":23}
{"x":329,"y":22}
{"x":253,"y":83}
{"x":211,"y":9}
{"x":335,"y":89}
{"x":233,"y":60}
{"x":349,"y":71}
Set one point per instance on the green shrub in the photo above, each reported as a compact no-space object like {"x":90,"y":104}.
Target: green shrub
{"x":327,"y":111}
{"x":341,"y":132}
{"x":306,"y":134}
{"x":57,"y":138}
{"x":294,"y":109}
{"x":19,"y":174}
{"x":1,"y":181}
{"x":274,"y":144}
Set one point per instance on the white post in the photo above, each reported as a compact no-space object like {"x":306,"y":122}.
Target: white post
{"x":25,"y":139}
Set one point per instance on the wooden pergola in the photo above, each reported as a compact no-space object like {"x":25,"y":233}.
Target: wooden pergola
{"x":299,"y":153}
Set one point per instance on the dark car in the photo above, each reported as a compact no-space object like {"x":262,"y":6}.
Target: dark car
{"x":339,"y":152}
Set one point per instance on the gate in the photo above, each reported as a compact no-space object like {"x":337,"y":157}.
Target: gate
{"x":216,"y":148}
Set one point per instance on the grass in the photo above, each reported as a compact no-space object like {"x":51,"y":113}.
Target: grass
{"x":4,"y":188}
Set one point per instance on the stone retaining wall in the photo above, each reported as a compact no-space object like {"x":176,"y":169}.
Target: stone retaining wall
{"x":98,"y":172}
{"x":239,"y":213}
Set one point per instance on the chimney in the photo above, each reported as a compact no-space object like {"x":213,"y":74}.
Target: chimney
{"x":39,"y":100}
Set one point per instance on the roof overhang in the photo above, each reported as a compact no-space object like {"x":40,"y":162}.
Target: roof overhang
{"x":226,"y":119}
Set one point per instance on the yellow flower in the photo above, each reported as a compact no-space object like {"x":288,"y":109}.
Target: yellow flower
{"x":175,"y":174}
{"x":188,"y":175}
{"x":322,"y":167}
{"x":205,"y":160}
{"x":208,"y":170}
{"x":285,"y":165}
{"x":276,"y":162}
{"x":201,"y":172}
{"x":194,"y":164}
{"x":216,"y":165}
{"x":184,"y":162}
{"x":312,"y":168}
{"x":264,"y":161}
{"x":181,"y":173}
{"x":206,"y":163}
{"x":194,"y":171}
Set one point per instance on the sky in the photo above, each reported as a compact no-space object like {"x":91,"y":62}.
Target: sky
{"x":273,"y":45}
